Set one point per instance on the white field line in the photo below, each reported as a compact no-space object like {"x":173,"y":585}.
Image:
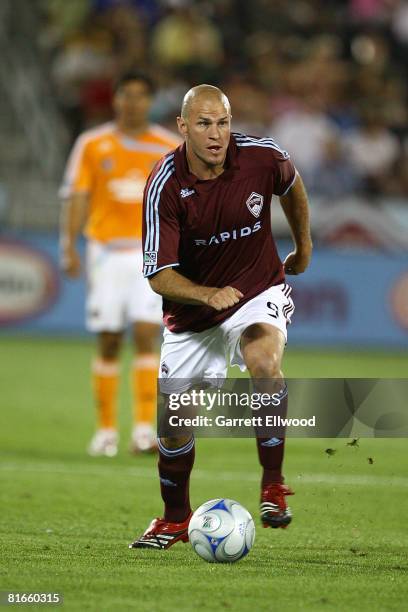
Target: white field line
{"x":142,"y":472}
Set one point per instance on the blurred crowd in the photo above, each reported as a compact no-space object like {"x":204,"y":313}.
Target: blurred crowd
{"x":327,"y":79}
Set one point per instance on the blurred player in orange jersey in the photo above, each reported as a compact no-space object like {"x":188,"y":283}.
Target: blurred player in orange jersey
{"x":103,"y":190}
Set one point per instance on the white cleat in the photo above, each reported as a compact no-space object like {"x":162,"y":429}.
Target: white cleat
{"x":104,"y":443}
{"x":144,"y":439}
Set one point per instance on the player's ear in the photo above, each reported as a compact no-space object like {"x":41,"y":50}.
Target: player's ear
{"x":182,"y":126}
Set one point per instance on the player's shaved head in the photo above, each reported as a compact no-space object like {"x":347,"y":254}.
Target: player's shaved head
{"x":205,"y":125}
{"x":198,"y":94}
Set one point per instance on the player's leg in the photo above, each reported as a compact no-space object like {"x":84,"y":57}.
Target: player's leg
{"x":105,"y":318}
{"x":262,"y":347}
{"x":256,"y":335}
{"x":185,"y":359}
{"x":144,"y":311}
{"x":105,"y":375}
{"x":175,"y":464}
{"x":144,"y":385}
{"x":176,"y":460}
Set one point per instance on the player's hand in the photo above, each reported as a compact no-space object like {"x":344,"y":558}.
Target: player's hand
{"x":71,"y":263}
{"x":221,"y":299}
{"x":297,"y":261}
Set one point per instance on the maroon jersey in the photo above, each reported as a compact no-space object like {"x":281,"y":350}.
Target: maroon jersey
{"x":216,"y":232}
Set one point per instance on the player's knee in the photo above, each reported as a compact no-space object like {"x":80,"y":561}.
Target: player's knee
{"x":109,"y":345}
{"x":144,"y":337}
{"x":265,"y":366}
{"x":145,"y":343}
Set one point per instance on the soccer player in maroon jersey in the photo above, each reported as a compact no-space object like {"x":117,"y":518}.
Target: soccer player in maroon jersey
{"x":209,"y":251}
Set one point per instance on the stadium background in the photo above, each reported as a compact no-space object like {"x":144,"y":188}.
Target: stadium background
{"x":329,"y":81}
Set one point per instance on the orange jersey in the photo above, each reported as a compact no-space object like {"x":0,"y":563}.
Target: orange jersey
{"x":112,"y":169}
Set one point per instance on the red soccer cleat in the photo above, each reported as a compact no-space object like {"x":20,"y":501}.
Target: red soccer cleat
{"x":274,"y":511}
{"x":162,"y":534}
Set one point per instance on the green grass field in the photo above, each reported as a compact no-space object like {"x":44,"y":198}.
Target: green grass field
{"x":66,"y":519}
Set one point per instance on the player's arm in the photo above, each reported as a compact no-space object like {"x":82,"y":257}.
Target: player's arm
{"x":296,"y":208}
{"x":77,"y":184}
{"x":73,"y":215}
{"x":161,"y":239}
{"x":177,"y":288}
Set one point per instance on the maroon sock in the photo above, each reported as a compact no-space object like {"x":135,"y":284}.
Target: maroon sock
{"x":175,"y":467}
{"x":271,"y":450}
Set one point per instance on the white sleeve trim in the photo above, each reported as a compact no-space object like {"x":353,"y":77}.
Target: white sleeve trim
{"x":291,"y":185}
{"x":147,"y":274}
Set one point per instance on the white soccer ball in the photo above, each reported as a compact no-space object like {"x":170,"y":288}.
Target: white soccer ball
{"x":221,"y":531}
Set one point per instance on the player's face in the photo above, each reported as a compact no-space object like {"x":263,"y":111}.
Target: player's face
{"x":207,"y":130}
{"x":132,"y":103}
